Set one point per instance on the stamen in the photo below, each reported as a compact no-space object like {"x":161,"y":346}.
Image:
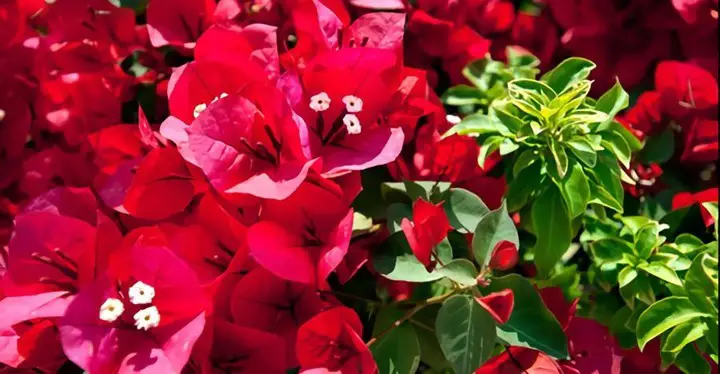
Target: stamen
{"x":141,"y":293}
{"x":147,"y":318}
{"x":111,"y":310}
{"x":352,"y":123}
{"x":70,"y":273}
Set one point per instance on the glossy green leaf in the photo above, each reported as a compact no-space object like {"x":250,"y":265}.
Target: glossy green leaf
{"x":398,"y":351}
{"x":531,"y":324}
{"x":464,"y":209}
{"x":626,"y":276}
{"x":575,"y":189}
{"x":658,"y":148}
{"x":478,"y":124}
{"x":489,"y":146}
{"x":661,"y":271}
{"x":664,"y":315}
{"x":618,"y":146}
{"x":569,"y":71}
{"x":524,"y":160}
{"x":690,"y":361}
{"x":612,"y":102}
{"x":463,"y":95}
{"x":682,"y":335}
{"x":466,"y":333}
{"x":560,"y":157}
{"x":552,"y":227}
{"x":610,"y":250}
{"x":395,"y":214}
{"x":493,"y":228}
{"x":583,"y":150}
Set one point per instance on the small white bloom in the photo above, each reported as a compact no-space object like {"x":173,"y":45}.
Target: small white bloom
{"x":453,"y":119}
{"x":141,"y":293}
{"x":352,"y":123}
{"x":111,"y":309}
{"x":353,"y":104}
{"x":2,"y":115}
{"x":147,"y":318}
{"x":199,"y":109}
{"x":320,"y":102}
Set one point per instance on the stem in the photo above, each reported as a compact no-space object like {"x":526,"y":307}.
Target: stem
{"x":411,"y":312}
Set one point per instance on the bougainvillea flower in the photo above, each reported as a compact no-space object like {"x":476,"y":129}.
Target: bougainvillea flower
{"x":244,"y":146}
{"x":243,"y":349}
{"x":498,"y":304}
{"x":555,"y":301}
{"x":178,"y":23}
{"x":263,"y":301}
{"x":331,"y":342}
{"x":701,"y":141}
{"x":345,"y":92}
{"x":505,"y":256}
{"x":646,"y":179}
{"x":143,"y":314}
{"x":300,"y":240}
{"x":429,"y":226}
{"x":592,"y":348}
{"x":249,"y":57}
{"x":684,"y":199}
{"x":520,"y":360}
{"x":684,"y":88}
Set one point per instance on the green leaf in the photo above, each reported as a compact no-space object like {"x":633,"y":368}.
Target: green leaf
{"x":618,"y":146}
{"x":566,"y":73}
{"x":612,"y":102}
{"x":489,"y":146}
{"x":575,"y":190}
{"x":463,"y":95}
{"x":607,"y":172}
{"x":712,"y":208}
{"x":626,"y":276}
{"x":466,"y":333}
{"x":460,"y":270}
{"x":658,"y":148}
{"x":478,"y":124}
{"x":395,"y":261}
{"x":552,"y":228}
{"x":395,"y":214}
{"x":493,"y":228}
{"x":661,"y":271}
{"x":601,"y":196}
{"x":664,"y":315}
{"x":398,"y":351}
{"x":610,"y":250}
{"x":617,"y":128}
{"x":524,"y":160}
{"x":464,"y":209}
{"x":690,"y":361}
{"x":560,"y":157}
{"x":648,"y":238}
{"x":583,"y":150}
{"x":531,"y":324}
{"x":682,"y":335}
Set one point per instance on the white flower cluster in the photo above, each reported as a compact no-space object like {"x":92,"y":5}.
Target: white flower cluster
{"x":353,"y":104}
{"x":139,"y":294}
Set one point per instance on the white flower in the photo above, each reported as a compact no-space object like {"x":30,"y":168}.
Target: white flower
{"x":320,"y":102}
{"x":111,"y":309}
{"x":2,"y":115}
{"x":141,"y":293}
{"x":352,"y":123}
{"x":353,"y":104}
{"x":199,"y":109}
{"x":147,"y":318}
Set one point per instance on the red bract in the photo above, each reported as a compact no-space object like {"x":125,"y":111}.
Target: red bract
{"x":178,"y":23}
{"x":263,"y":301}
{"x":143,"y":314}
{"x":519,"y":360}
{"x":505,"y":256}
{"x":685,"y":199}
{"x":685,"y":88}
{"x":344,"y":94}
{"x":498,"y":304}
{"x":300,"y":240}
{"x":330,"y":342}
{"x":429,"y":226}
